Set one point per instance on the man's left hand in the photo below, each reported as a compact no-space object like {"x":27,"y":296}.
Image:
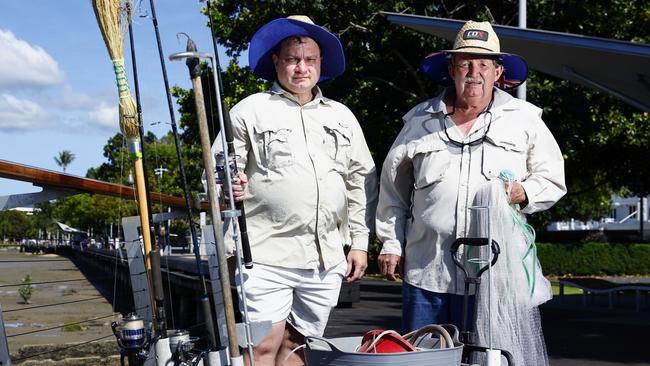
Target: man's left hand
{"x":357,"y":264}
{"x":517,"y":194}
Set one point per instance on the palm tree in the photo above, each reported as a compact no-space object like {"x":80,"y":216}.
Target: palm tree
{"x":64,"y":159}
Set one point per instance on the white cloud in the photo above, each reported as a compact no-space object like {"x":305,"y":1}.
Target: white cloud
{"x":20,"y":114}
{"x":105,"y":116}
{"x":74,"y":99}
{"x":24,"y":65}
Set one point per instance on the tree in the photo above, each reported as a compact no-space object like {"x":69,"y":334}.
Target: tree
{"x":16,"y":225}
{"x":64,"y":159}
{"x":602,"y":138}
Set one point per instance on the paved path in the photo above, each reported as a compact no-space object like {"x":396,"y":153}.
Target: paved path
{"x":575,"y":336}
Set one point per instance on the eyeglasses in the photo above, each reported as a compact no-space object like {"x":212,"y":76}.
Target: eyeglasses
{"x":475,"y":142}
{"x":478,"y":140}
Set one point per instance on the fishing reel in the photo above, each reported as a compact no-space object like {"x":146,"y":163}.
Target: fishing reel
{"x":221,"y":159}
{"x":181,"y":346}
{"x":132,"y":339}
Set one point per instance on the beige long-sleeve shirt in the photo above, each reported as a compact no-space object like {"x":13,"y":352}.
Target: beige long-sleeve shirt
{"x":311,"y":179}
{"x":428,"y":183}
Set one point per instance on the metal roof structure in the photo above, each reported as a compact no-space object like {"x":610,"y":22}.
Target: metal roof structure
{"x":621,"y":69}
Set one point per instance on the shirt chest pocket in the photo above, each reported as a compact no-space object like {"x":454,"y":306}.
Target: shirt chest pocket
{"x":337,"y":144}
{"x":273,"y":144}
{"x":502,"y":152}
{"x":431,"y":160}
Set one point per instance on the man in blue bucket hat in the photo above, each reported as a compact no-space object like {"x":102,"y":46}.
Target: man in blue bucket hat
{"x":451,"y":145}
{"x":309,"y":186}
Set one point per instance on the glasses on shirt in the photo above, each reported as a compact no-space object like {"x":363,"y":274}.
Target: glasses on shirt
{"x":480,"y":140}
{"x":474,"y":142}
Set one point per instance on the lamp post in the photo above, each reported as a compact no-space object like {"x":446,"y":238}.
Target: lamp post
{"x":521,"y":90}
{"x":160,"y":171}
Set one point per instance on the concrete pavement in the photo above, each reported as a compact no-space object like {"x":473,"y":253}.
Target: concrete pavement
{"x":575,"y":335}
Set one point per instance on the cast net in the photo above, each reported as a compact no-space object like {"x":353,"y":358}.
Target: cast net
{"x":518,"y":285}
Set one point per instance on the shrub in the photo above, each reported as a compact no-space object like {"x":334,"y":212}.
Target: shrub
{"x":587,"y":259}
{"x":25,"y":290}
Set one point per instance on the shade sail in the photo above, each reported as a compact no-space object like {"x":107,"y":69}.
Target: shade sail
{"x":619,"y":68}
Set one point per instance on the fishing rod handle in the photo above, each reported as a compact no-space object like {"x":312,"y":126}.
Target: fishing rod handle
{"x":243,"y":228}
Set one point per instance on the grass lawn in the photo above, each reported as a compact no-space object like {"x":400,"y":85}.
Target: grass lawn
{"x":568,"y":290}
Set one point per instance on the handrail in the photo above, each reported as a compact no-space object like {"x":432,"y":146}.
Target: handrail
{"x":48,"y":178}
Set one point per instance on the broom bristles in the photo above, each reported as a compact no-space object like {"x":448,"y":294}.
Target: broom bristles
{"x":108,"y":14}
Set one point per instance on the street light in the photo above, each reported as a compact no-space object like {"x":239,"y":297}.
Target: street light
{"x":160,"y":170}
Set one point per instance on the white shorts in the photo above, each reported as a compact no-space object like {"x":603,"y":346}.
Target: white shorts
{"x":303,"y":297}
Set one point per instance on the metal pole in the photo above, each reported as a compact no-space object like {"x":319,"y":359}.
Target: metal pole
{"x":521,"y":90}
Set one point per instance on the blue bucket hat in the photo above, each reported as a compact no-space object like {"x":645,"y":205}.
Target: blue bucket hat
{"x":267,"y":38}
{"x":477,"y":38}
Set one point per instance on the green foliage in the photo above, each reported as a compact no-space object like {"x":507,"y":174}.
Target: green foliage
{"x":587,"y":259}
{"x":17,"y":225}
{"x":85,"y":211}
{"x":602,"y":138}
{"x":25,"y":291}
{"x":64,"y":159}
{"x":163,"y":173}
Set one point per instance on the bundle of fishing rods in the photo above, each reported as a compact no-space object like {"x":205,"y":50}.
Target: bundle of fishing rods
{"x":139,"y":343}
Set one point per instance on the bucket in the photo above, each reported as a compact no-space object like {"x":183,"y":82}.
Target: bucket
{"x":343,"y":352}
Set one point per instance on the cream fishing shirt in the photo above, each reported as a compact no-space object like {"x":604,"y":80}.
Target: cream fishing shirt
{"x":428,"y":183}
{"x":311,"y":179}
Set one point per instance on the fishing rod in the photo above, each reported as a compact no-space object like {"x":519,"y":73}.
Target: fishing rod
{"x":193,"y":64}
{"x":223,"y":111}
{"x":204,"y":297}
{"x":156,"y":274}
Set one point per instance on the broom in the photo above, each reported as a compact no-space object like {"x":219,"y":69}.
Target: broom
{"x":108,"y":13}
{"x":110,"y":17}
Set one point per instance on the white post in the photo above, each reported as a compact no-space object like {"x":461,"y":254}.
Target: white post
{"x":521,"y":90}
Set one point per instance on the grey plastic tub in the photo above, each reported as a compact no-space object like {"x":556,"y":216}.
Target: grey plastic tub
{"x":341,"y":352}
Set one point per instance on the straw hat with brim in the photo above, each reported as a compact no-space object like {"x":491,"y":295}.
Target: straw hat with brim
{"x":477,"y":38}
{"x":267,"y":38}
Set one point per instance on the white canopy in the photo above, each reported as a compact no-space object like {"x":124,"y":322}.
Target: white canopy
{"x":68,"y":229}
{"x":615,"y":67}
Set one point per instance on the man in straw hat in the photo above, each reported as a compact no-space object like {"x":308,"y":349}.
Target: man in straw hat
{"x":450,"y":146}
{"x":310,"y":185}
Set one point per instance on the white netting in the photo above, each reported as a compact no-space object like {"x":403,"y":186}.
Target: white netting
{"x":518,"y":285}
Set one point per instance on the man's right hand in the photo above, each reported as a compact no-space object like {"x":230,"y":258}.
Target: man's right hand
{"x":389,"y":264}
{"x":239,"y":187}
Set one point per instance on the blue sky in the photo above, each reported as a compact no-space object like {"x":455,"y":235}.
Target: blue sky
{"x":57,"y":87}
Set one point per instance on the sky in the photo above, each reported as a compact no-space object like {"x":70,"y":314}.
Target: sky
{"x":57,"y":85}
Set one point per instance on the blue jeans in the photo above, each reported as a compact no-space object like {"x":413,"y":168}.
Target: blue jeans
{"x":421,"y":307}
